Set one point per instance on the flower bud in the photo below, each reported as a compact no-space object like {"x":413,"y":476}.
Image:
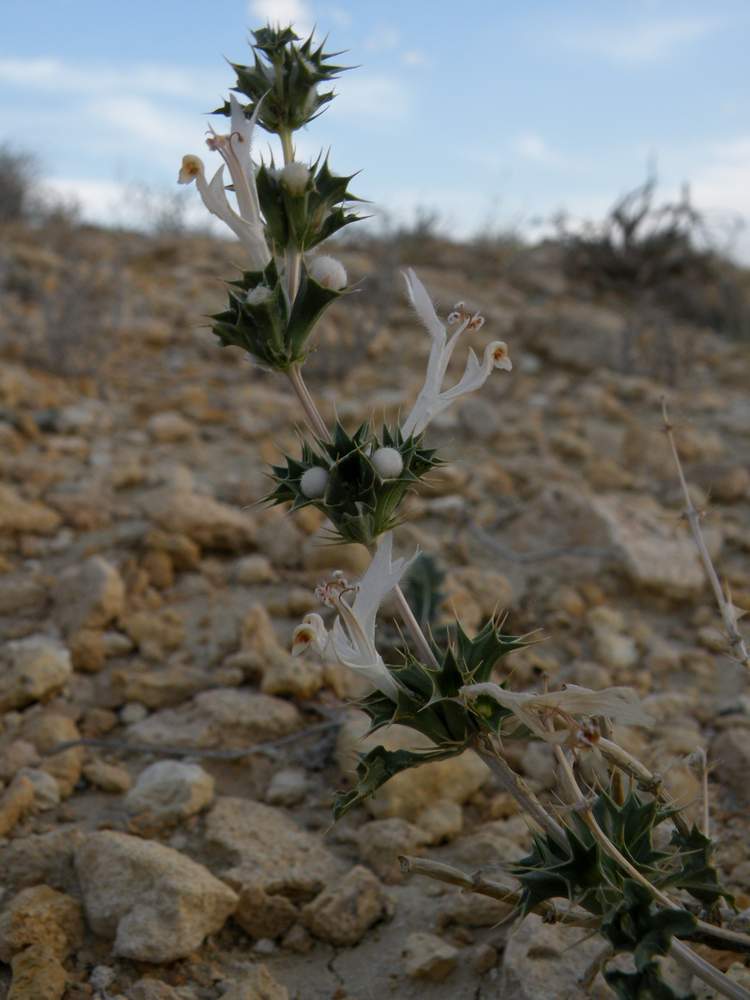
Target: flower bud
{"x":314,"y":482}
{"x":295,"y":177}
{"x":388,"y":463}
{"x":258,"y":295}
{"x":328,"y":272}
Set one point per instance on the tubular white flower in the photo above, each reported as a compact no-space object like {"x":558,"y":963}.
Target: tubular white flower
{"x":328,"y":272}
{"x":432,"y":400}
{"x":234,"y":149}
{"x":351,"y":640}
{"x":620,"y":704}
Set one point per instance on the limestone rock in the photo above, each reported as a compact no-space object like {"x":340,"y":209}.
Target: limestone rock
{"x":347,"y":908}
{"x":89,"y":595}
{"x":288,"y":787}
{"x":168,"y":427}
{"x":442,"y":821}
{"x":410,"y":792}
{"x":37,"y":668}
{"x":38,"y":929}
{"x":18,"y":754}
{"x":262,"y":915}
{"x":41,"y":858}
{"x":155,"y":633}
{"x":48,"y":730}
{"x":169,"y":791}
{"x":46,"y":788}
{"x":253,"y":569}
{"x":264,"y":848}
{"x":40,"y":917}
{"x":20,"y":515}
{"x":656,"y":552}
{"x":21,"y":593}
{"x":225,"y":717}
{"x":382,"y":841}
{"x":108,"y":777}
{"x":545,"y":961}
{"x":210,"y":523}
{"x":157,"y":904}
{"x":256,"y":983}
{"x":15,"y":802}
{"x":427,"y":956}
{"x":731,"y":755}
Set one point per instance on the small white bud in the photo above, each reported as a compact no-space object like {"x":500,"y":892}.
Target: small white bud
{"x":257,"y":296}
{"x":295,"y":178}
{"x":328,"y":272}
{"x":388,"y":463}
{"x":314,"y":481}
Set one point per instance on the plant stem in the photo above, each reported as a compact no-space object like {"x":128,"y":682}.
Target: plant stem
{"x":726,"y":609}
{"x":521,"y":792}
{"x":318,"y":426}
{"x":495,"y":890}
{"x":293,"y":257}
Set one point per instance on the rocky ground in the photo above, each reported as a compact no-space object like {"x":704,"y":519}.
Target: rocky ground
{"x":146,"y":601}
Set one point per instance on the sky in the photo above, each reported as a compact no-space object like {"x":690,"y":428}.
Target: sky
{"x":495,"y":114}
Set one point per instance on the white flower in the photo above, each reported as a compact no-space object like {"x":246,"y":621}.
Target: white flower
{"x":234,"y":149}
{"x":432,"y":400}
{"x":620,"y":704}
{"x":388,"y":463}
{"x":295,"y":177}
{"x":352,"y":639}
{"x":328,"y":272}
{"x":314,"y":481}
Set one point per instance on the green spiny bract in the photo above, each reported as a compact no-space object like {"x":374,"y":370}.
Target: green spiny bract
{"x":360,"y":504}
{"x":304,"y":216}
{"x":428,"y":702}
{"x":637,"y":925}
{"x":286,"y":78}
{"x":552,"y":871}
{"x":259,"y":320}
{"x":582,"y":873}
{"x":423,"y":589}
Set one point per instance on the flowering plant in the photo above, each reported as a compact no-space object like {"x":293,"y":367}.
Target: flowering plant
{"x":598,"y":854}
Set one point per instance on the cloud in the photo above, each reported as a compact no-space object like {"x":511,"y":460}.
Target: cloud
{"x":645,"y":42}
{"x":166,"y":134}
{"x":383,"y":38}
{"x":49,"y":74}
{"x":284,"y":12}
{"x":532,"y":147}
{"x":372,"y":96}
{"x":414,"y":57}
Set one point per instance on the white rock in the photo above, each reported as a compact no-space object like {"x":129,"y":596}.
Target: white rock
{"x":89,"y":595}
{"x":287,"y":787}
{"x":169,"y":791}
{"x":46,"y":789}
{"x":157,"y":904}
{"x":35,"y":669}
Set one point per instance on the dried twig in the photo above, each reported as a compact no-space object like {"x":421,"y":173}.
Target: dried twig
{"x":726,"y":608}
{"x":496,"y":890}
{"x":268,"y":747}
